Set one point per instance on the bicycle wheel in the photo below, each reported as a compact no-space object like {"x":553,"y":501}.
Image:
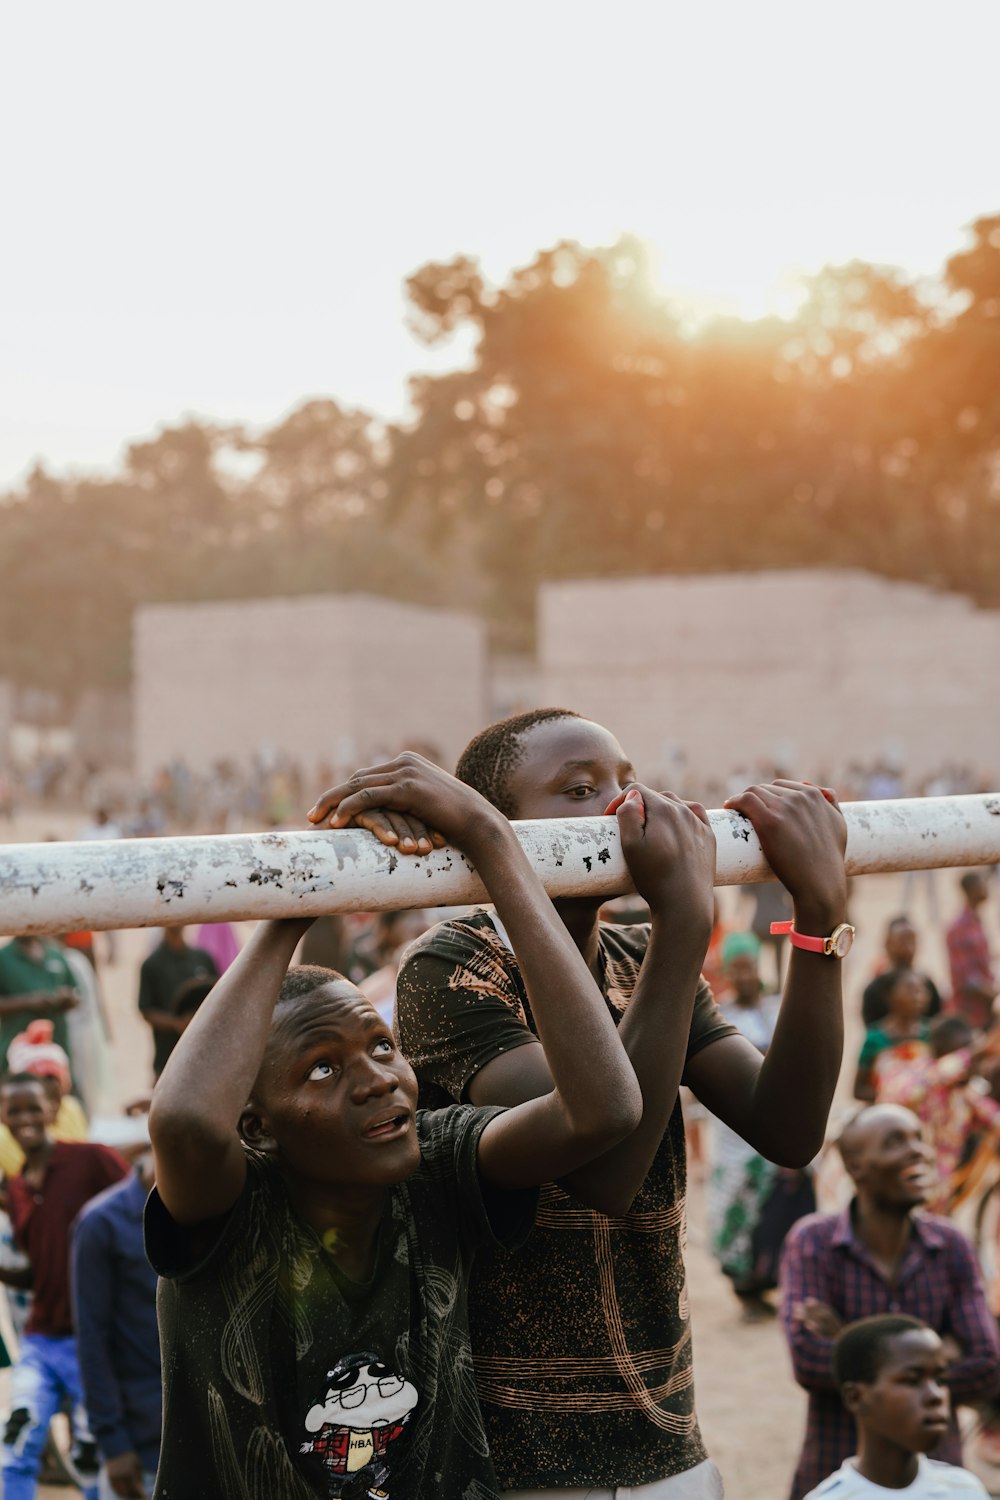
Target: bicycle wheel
{"x":986,"y":1233}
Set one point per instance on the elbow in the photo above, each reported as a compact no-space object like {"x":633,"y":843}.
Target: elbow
{"x":176,"y":1128}
{"x":792,"y":1151}
{"x":796,"y":1156}
{"x":614,"y":1204}
{"x":596,"y":1136}
{"x":621,"y":1116}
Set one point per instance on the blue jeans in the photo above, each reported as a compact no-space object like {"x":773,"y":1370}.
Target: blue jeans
{"x":46,"y":1375}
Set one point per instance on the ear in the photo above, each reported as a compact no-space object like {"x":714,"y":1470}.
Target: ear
{"x":853,"y":1163}
{"x":852,"y":1394}
{"x":255,"y":1131}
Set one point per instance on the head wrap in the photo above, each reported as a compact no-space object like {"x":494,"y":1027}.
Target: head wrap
{"x":34,"y":1051}
{"x":740,"y":945}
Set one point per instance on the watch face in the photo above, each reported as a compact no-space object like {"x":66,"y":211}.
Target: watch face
{"x":842,"y":940}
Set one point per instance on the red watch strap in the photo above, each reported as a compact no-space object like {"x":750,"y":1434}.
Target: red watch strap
{"x":798,"y":939}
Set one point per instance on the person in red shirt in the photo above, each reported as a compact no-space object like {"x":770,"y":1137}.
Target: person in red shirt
{"x":57,"y":1179}
{"x":973,"y":983}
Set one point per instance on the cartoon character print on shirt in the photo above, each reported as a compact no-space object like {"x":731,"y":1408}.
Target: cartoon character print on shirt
{"x":365,"y":1409}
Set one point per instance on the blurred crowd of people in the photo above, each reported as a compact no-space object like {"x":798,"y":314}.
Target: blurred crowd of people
{"x":927,"y":1078}
{"x":268,"y":789}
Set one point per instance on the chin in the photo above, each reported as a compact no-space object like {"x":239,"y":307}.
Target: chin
{"x":401,"y":1166}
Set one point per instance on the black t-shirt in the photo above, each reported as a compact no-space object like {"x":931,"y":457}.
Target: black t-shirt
{"x":875,"y":1000}
{"x":283,"y":1380}
{"x":161,"y":978}
{"x":581,"y":1341}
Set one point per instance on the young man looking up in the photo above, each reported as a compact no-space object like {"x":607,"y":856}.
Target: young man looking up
{"x":318,"y":1231}
{"x":582,"y":1342}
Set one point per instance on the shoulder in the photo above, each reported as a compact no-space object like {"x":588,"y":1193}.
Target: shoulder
{"x":625,"y":940}
{"x":88,"y":1157}
{"x":447,"y":1135}
{"x":457,"y":939}
{"x":938,"y":1232}
{"x":845,"y":1484}
{"x":814,"y":1233}
{"x":97,"y":1217}
{"x":249,"y":1236}
{"x":949,"y":1480}
{"x":202,"y":956}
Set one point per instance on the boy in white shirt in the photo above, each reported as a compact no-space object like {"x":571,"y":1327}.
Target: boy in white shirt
{"x":890,"y":1374}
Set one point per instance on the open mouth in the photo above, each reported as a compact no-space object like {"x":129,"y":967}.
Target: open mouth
{"x":389,"y":1127}
{"x":918,"y":1176}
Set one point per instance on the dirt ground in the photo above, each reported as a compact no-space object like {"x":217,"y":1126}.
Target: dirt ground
{"x":752,"y":1412}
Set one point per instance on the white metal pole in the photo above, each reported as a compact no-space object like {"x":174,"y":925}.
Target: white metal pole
{"x":53,"y":887}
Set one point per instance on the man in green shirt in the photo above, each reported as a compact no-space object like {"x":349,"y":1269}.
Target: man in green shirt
{"x":35,"y":980}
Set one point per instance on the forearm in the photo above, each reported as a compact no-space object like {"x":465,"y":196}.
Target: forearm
{"x":976,"y":1374}
{"x":796,"y":1083}
{"x":102,"y":1394}
{"x":208,"y":1077}
{"x":12,"y":1005}
{"x":591,"y":1074}
{"x":812,"y":1360}
{"x":21,"y":1278}
{"x":654,"y":1032}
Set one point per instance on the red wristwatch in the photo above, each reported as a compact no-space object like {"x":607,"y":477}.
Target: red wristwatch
{"x":837,"y":945}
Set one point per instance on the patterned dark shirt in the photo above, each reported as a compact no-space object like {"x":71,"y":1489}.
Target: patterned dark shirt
{"x":581,"y":1342}
{"x":938,"y":1282}
{"x":282,"y":1380}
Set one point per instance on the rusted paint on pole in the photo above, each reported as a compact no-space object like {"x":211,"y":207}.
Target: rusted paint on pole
{"x":52,"y":887}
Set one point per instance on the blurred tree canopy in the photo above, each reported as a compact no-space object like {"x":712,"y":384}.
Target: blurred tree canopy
{"x":594,"y":434}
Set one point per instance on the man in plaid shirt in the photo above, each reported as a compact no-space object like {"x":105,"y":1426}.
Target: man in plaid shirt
{"x":881,"y":1256}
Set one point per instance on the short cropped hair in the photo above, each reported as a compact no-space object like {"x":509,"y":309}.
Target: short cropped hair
{"x":860,"y":1349}
{"x":972,"y":880}
{"x":302,"y":979}
{"x":487,"y":761}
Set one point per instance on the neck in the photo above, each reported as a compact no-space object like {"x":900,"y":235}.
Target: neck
{"x":884,"y":1462}
{"x":346,"y":1219}
{"x":884,"y":1229}
{"x":37,"y":1159}
{"x":579,"y":916}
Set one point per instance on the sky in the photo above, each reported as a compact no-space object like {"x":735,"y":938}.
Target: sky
{"x":211,"y":209}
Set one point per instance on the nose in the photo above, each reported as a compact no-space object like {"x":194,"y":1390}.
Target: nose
{"x":937,"y":1393}
{"x":372,"y":1079}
